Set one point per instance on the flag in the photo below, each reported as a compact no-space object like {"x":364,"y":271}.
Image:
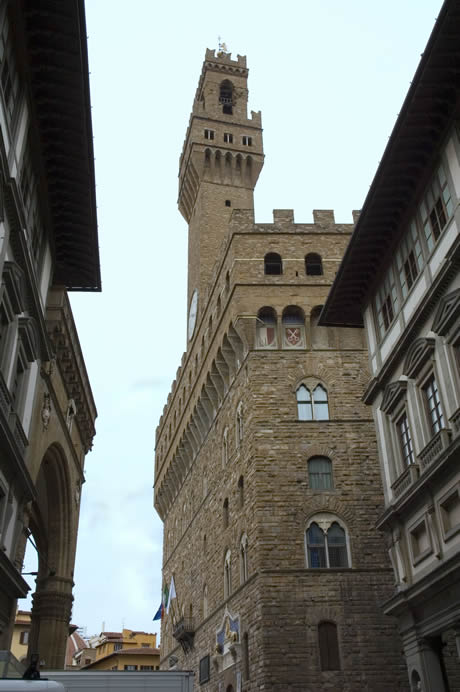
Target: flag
{"x":159,"y":613}
{"x":172,"y":594}
{"x":164,"y":601}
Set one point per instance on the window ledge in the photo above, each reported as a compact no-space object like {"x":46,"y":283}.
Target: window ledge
{"x":434,"y":448}
{"x":405,"y":480}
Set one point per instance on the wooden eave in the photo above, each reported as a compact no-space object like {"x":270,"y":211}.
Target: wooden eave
{"x":56,"y":64}
{"x":431,"y":105}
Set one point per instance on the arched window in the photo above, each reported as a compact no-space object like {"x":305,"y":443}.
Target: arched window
{"x":328,"y":646}
{"x":313,"y":264}
{"x":205,"y":544}
{"x":415,"y":682}
{"x":243,"y":559}
{"x":239,"y":424}
{"x":320,"y":473}
{"x":266,"y":328}
{"x":225,"y":513}
{"x":241,"y":492}
{"x":273,"y":263}
{"x":226,"y":97}
{"x":293,"y":327}
{"x":312,"y":405}
{"x":326,"y":543}
{"x":225,"y":447}
{"x":227,"y":574}
{"x":205,"y":601}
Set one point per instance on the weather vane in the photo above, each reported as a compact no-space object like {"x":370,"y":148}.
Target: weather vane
{"x":222,"y":46}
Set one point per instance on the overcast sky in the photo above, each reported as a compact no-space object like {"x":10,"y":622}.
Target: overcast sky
{"x":330,"y":77}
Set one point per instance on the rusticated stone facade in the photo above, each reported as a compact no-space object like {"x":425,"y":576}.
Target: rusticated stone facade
{"x":265,"y":440}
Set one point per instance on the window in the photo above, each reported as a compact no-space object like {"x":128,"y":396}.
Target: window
{"x":273,"y":264}
{"x":312,"y":405}
{"x":145,"y":645}
{"x":266,"y":328}
{"x":326,"y":545}
{"x":227,"y":575}
{"x":420,"y":541}
{"x":24,"y":637}
{"x":117,"y":646}
{"x":246,"y":141}
{"x":313,"y":265}
{"x":225,"y":513}
{"x":409,"y":259}
{"x":328,"y":646}
{"x":433,"y":403}
{"x":209,"y":134}
{"x":405,"y":440}
{"x":449,"y":507}
{"x":225,"y":447}
{"x":320,"y":473}
{"x":130,"y":667}
{"x":228,"y":203}
{"x":226,"y":97}
{"x":204,"y":669}
{"x":228,"y":138}
{"x":241,"y":492}
{"x":243,"y":559}
{"x":239,"y":424}
{"x":293,"y":321}
{"x":147,"y":668}
{"x":18,"y":381}
{"x":435,"y":208}
{"x":205,"y":601}
{"x":386,"y":302}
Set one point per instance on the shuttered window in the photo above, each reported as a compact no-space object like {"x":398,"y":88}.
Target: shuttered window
{"x":328,"y":646}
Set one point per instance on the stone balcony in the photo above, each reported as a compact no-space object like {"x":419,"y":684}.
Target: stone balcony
{"x":405,"y":480}
{"x":184,"y":633}
{"x":434,"y":448}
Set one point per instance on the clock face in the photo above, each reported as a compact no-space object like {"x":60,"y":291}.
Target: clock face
{"x":192,"y":313}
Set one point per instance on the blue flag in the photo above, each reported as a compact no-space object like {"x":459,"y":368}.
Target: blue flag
{"x":159,"y":612}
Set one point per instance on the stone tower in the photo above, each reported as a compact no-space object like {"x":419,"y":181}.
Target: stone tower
{"x":266,"y":472}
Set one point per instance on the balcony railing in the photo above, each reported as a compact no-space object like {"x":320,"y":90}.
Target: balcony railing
{"x":184,"y":633}
{"x":433,"y":449}
{"x":405,"y":480}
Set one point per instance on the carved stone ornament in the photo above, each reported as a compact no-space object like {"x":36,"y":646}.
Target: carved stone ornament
{"x":46,"y":411}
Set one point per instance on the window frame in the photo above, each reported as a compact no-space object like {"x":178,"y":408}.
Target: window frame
{"x":209,"y":134}
{"x":323,"y":488}
{"x":448,"y":495}
{"x":322,"y":646}
{"x":325,"y":521}
{"x":311,"y":262}
{"x":417,"y":557}
{"x":311,"y":387}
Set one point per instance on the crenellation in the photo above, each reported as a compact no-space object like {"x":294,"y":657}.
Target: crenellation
{"x":324,"y":217}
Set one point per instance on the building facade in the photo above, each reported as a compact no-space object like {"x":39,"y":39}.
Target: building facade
{"x":400,"y":278}
{"x":48,"y":245}
{"x":266,"y":471}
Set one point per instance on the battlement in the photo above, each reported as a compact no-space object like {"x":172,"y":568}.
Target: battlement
{"x":242,"y":221}
{"x":225,"y":59}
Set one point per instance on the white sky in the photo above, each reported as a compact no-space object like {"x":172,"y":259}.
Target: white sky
{"x":330,"y":77}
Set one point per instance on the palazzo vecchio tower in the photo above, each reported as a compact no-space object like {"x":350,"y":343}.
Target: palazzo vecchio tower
{"x":266,"y":471}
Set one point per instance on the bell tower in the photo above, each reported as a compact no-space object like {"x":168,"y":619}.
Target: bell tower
{"x":219,"y":166}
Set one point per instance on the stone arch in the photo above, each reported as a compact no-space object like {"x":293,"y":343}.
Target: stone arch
{"x":53,"y":526}
{"x":322,"y":503}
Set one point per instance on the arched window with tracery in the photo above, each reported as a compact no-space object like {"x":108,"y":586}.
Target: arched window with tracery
{"x":313,"y":264}
{"x":326,"y":543}
{"x":244,"y":573}
{"x":228,"y":574}
{"x":328,"y":646}
{"x":293,"y":327}
{"x":320,"y":473}
{"x":226,"y":96}
{"x":266,"y":328}
{"x":273,"y":264}
{"x":312,"y":403}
